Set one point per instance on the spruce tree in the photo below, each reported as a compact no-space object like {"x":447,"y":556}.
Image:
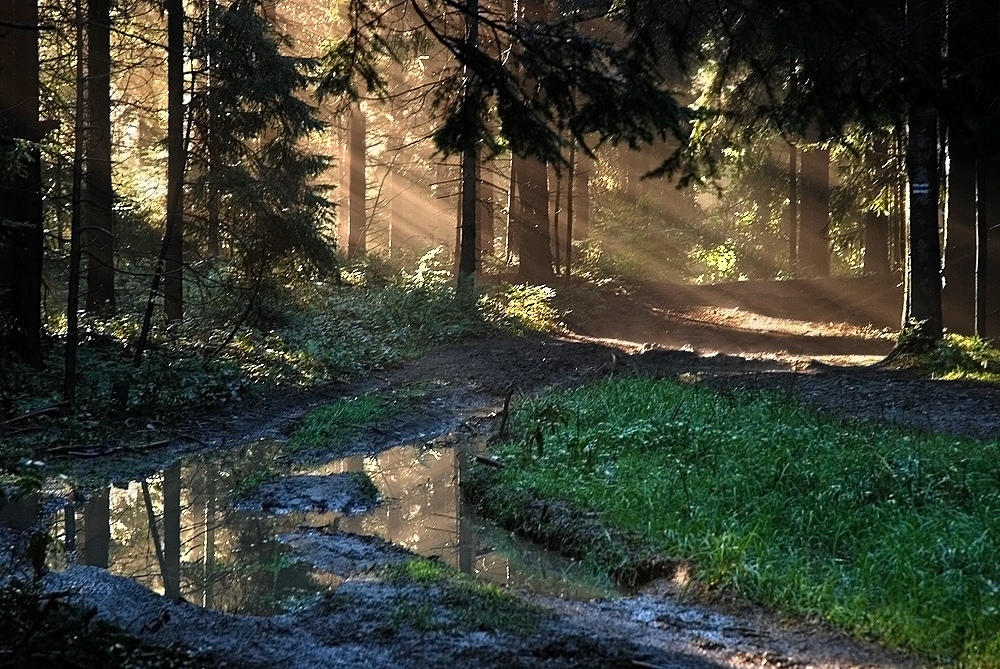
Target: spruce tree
{"x":249,"y":121}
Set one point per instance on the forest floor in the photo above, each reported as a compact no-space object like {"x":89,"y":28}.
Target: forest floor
{"x":724,"y":345}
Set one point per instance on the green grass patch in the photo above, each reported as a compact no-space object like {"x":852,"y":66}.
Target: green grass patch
{"x":887,"y":533}
{"x":459,"y":602}
{"x":343,"y":421}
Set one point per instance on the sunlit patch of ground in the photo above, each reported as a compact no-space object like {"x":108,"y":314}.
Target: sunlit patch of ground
{"x":740,"y":319}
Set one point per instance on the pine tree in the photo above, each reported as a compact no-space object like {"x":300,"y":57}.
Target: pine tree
{"x":269,"y":207}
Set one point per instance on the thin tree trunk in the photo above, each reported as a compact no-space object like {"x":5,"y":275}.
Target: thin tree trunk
{"x":173,"y":267}
{"x":98,"y":241}
{"x":582,"y":190}
{"x":792,"y":214}
{"x":570,"y":193}
{"x":214,"y":228}
{"x":73,"y":298}
{"x":556,"y":211}
{"x":514,"y":224}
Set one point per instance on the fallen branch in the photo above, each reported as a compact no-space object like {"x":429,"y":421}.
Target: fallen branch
{"x":51,"y":410}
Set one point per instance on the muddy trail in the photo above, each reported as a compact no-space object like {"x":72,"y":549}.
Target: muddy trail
{"x":329,"y":525}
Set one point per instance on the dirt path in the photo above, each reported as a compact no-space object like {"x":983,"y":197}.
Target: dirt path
{"x":465,"y":383}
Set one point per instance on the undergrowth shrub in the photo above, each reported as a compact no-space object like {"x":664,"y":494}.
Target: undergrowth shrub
{"x":376,"y":315}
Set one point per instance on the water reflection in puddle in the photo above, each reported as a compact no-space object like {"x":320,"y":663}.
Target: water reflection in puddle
{"x":179,"y":534}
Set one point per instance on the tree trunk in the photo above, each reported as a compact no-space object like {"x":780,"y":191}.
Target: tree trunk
{"x":987,"y":208}
{"x":570,"y":195}
{"x":533,"y":187}
{"x":959,"y":292}
{"x":73,"y":289}
{"x":358,"y":185}
{"x":792,"y":214}
{"x":467,"y":263}
{"x":21,"y":198}
{"x":922,"y":321}
{"x":581,"y":191}
{"x":876,"y":259}
{"x":814,"y":226}
{"x":534,"y":243}
{"x":485,"y":227}
{"x":98,"y":240}
{"x":173,"y":266}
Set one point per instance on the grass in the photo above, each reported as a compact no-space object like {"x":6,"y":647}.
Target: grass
{"x":343,"y":421}
{"x":890,"y":534}
{"x":460,"y":602}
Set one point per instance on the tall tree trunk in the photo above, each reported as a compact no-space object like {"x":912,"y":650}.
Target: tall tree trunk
{"x":570,"y":195}
{"x":357,"y":185}
{"x":485,"y":226}
{"x":922,"y":301}
{"x":792,"y":213}
{"x":73,"y":289}
{"x":987,"y":210}
{"x":533,"y":187}
{"x":959,"y":292}
{"x":814,"y":226}
{"x":514,"y":225}
{"x":581,"y":190}
{"x":534,"y":246}
{"x":214,"y":227}
{"x":557,"y":181}
{"x":173,"y":266}
{"x":21,"y":198}
{"x":98,"y":240}
{"x":467,"y":263}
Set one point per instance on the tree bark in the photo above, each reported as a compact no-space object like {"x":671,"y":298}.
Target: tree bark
{"x":876,"y":261}
{"x":21,"y":198}
{"x":467,"y":263}
{"x":173,"y":265}
{"x":581,"y":194}
{"x":792,"y":213}
{"x":534,"y":244}
{"x":922,"y":321}
{"x":959,"y":292}
{"x":98,"y":239}
{"x":357,"y":185}
{"x":73,"y":288}
{"x":814,"y":225}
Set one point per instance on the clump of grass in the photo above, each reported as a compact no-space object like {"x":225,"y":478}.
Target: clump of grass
{"x":884,"y":532}
{"x":458,"y":603}
{"x":342,"y":422}
{"x":959,"y":357}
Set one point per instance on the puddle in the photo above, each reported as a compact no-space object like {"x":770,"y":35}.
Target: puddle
{"x":180,"y":534}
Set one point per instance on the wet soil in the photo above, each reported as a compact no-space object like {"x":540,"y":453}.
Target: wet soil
{"x":462,"y":387}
